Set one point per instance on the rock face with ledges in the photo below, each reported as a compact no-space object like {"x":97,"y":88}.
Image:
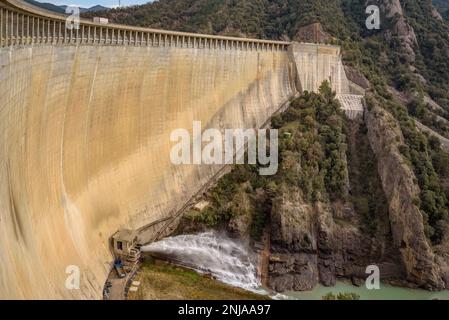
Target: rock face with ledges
{"x":399,"y":185}
{"x":392,"y":10}
{"x":312,"y":244}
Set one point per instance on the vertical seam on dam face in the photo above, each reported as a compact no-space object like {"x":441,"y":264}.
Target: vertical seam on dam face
{"x":86,"y":129}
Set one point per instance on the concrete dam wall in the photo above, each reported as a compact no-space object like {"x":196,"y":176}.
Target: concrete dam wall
{"x":86,"y":145}
{"x":85,"y":135}
{"x":317,"y":63}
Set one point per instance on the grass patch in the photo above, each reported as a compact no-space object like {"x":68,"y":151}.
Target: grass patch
{"x":163,"y":281}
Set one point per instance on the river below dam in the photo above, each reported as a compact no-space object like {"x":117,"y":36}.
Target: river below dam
{"x":231,"y":261}
{"x":386,"y":292}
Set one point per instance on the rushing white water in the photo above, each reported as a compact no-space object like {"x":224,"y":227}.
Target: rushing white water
{"x":232,"y":262}
{"x":226,"y":259}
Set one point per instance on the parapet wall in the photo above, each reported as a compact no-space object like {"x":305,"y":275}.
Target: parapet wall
{"x":24,"y":24}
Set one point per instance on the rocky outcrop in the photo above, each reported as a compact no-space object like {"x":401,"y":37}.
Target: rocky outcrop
{"x":294,"y":260}
{"x":399,"y":28}
{"x":319,"y":243}
{"x":242,"y":209}
{"x":312,"y":33}
{"x":399,"y":184}
{"x":356,"y":77}
{"x":436,"y":14}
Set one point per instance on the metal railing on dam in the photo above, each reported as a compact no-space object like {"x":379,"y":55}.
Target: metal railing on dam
{"x":25,"y":24}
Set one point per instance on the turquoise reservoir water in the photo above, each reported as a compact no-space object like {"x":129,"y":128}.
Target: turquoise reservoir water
{"x":386,"y":292}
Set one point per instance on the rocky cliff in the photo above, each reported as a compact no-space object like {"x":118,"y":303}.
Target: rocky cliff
{"x":312,"y":244}
{"x":317,"y":235}
{"x":399,"y":184}
{"x":320,"y":242}
{"x":312,"y":33}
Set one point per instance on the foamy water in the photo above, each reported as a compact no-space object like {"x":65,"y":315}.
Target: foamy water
{"x":228,"y":260}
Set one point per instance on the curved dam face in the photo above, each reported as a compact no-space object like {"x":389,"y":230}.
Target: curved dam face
{"x":85,"y":136}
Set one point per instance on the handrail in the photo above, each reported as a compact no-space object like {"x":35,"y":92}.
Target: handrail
{"x":22,"y":24}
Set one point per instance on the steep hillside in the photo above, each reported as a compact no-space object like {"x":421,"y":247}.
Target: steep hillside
{"x":443,"y":7}
{"x":61,"y":9}
{"x":344,"y":198}
{"x":272,"y":19}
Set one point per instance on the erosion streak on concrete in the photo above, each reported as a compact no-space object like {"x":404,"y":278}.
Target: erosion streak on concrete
{"x":85,"y":147}
{"x":317,"y":63}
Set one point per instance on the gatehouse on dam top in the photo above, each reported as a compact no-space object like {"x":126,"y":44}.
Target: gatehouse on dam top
{"x":85,"y":122}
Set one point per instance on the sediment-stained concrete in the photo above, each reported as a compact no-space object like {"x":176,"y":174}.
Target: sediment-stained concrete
{"x":352,"y":104}
{"x":85,"y":144}
{"x":318,"y":63}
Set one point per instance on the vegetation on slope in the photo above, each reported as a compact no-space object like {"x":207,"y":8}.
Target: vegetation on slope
{"x":370,"y":50}
{"x":430,"y":164}
{"x":318,"y":143}
{"x":312,"y":159}
{"x":270,"y":19}
{"x":344,"y":20}
{"x":341,"y":296}
{"x":433,"y":48}
{"x":443,"y":7}
{"x":366,"y":193}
